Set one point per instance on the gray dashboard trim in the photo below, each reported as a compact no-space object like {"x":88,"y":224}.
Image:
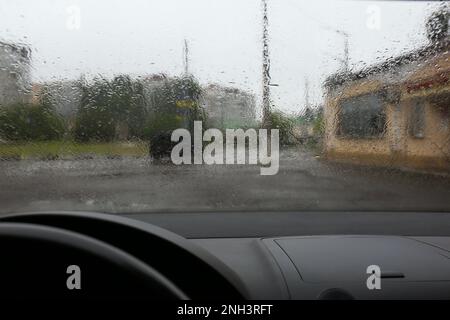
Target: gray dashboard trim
{"x":281,"y":224}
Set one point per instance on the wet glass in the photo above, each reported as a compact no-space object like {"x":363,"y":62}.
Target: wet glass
{"x":91,"y":93}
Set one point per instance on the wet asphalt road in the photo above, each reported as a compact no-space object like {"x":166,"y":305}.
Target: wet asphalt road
{"x":303,"y":183}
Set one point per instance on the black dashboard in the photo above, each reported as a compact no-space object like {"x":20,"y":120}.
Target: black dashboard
{"x":316,"y":255}
{"x":334,"y":267}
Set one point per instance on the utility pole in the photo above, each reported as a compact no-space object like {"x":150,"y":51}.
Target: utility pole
{"x":344,"y":34}
{"x":306,"y":92}
{"x":345,"y":60}
{"x":186,"y":57}
{"x":265,"y":68}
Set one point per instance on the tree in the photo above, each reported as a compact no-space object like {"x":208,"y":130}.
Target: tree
{"x":106,"y":104}
{"x":437,"y":25}
{"x":284,"y":124}
{"x":96,"y":119}
{"x":176,"y":105}
{"x":23,"y":122}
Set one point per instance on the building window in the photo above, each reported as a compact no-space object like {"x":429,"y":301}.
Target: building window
{"x":362,"y":117}
{"x":417,"y":120}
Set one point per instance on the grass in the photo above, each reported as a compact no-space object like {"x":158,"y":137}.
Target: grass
{"x":69,"y":149}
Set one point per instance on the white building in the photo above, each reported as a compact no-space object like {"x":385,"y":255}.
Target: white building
{"x":228,"y":107}
{"x":15,"y":79}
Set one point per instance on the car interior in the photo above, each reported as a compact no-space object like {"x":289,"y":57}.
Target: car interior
{"x":225,"y":158}
{"x":134,"y":257}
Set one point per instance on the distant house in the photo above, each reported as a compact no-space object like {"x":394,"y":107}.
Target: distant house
{"x":64,"y":95}
{"x":15,"y":68}
{"x":151,"y":84}
{"x":396,"y":113}
{"x":307,"y":126}
{"x":228,"y":107}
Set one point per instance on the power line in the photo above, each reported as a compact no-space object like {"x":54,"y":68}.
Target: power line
{"x":323,"y":25}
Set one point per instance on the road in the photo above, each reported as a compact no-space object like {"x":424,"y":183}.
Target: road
{"x":303,"y":183}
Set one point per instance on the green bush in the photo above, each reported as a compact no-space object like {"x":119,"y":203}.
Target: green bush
{"x":107,"y":103}
{"x":162,"y":122}
{"x":95,"y":123}
{"x":284,"y":123}
{"x":319,"y":126}
{"x":22,"y":121}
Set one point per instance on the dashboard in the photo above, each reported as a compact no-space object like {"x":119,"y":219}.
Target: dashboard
{"x":335,"y":267}
{"x":229,"y":256}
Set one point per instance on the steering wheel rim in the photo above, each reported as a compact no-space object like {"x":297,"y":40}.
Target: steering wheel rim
{"x":143,"y":240}
{"x":12,"y":234}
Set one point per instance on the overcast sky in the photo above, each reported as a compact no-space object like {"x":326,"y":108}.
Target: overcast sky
{"x":142,"y":37}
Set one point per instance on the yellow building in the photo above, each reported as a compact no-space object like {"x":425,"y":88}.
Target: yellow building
{"x":394,"y":114}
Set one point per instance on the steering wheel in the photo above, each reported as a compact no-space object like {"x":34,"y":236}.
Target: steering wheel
{"x":39,"y":261}
{"x":90,"y":255}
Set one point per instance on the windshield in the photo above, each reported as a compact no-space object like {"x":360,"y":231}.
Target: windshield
{"x":259,"y":105}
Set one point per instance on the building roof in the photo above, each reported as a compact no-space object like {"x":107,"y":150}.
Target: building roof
{"x":22,"y":49}
{"x":390,"y":65}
